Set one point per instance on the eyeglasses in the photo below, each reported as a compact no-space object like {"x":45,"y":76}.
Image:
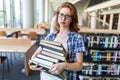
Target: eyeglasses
{"x":61,"y":15}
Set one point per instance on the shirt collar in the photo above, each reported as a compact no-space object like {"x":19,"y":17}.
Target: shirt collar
{"x":70,"y":33}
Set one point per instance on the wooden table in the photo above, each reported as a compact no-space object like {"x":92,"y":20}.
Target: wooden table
{"x":25,"y":46}
{"x":39,"y":31}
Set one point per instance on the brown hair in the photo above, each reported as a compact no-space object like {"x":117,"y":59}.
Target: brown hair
{"x":74,"y":23}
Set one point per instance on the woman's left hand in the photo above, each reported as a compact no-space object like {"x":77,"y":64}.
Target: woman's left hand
{"x":57,"y":68}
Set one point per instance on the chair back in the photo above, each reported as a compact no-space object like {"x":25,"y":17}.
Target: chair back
{"x":33,"y":35}
{"x":17,"y":34}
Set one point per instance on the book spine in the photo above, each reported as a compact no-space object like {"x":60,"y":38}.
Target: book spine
{"x":111,"y":41}
{"x":53,"y":55}
{"x":108,"y":58}
{"x":50,"y":46}
{"x":51,"y":42}
{"x":106,"y":42}
{"x":115,"y":42}
{"x":92,"y":41}
{"x":97,"y":56}
{"x":95,"y":41}
{"x":44,"y":62}
{"x":115,"y":56}
{"x":39,"y":64}
{"x":54,"y":52}
{"x":47,"y":58}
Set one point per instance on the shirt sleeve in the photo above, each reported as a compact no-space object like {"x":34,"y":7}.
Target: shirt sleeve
{"x":47,"y":37}
{"x":79,"y":45}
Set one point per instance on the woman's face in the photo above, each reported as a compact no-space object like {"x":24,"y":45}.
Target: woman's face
{"x":64,"y":18}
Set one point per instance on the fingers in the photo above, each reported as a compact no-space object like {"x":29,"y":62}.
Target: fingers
{"x":54,"y":70}
{"x":29,"y":63}
{"x":34,"y":66}
{"x":39,"y":68}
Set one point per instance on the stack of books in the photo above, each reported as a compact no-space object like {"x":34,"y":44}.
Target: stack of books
{"x":52,"y":53}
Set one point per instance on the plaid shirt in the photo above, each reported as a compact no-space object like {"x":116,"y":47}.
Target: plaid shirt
{"x":75,"y":45}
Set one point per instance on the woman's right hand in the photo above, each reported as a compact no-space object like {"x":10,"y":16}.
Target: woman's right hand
{"x":34,"y":66}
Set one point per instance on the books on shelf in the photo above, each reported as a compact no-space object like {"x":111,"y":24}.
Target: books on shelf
{"x":52,"y":53}
{"x":108,"y":56}
{"x":100,"y":69}
{"x":104,"y":49}
{"x":104,"y":41}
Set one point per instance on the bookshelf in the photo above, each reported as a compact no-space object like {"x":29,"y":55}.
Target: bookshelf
{"x":102,"y":59}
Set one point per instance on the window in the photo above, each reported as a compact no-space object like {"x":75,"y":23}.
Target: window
{"x":18,"y":13}
{"x":1,"y":13}
{"x":10,"y":13}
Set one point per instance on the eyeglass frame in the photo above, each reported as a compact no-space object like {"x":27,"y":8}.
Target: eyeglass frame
{"x":61,"y":15}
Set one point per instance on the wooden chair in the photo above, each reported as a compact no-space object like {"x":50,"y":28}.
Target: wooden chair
{"x":17,"y":34}
{"x":2,"y":61}
{"x":32,"y":35}
{"x":2,"y":33}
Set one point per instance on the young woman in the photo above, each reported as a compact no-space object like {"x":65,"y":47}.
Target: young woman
{"x":66,"y":33}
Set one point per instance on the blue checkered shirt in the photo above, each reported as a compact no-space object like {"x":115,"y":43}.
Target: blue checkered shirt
{"x":75,"y":45}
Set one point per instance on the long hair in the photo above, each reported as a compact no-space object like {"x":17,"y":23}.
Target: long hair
{"x":74,"y":16}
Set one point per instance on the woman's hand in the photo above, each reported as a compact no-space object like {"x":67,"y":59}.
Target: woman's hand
{"x":57,"y":68}
{"x":35,"y":67}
